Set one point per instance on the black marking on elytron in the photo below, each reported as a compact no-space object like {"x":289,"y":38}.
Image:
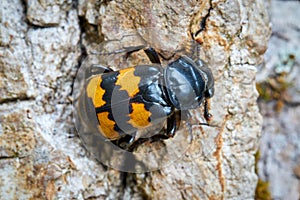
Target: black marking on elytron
{"x":118,"y":110}
{"x":150,"y":94}
{"x":150,"y":86}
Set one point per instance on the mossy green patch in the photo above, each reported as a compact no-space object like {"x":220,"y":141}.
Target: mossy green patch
{"x":262,"y":188}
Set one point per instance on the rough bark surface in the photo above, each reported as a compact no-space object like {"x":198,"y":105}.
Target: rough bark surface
{"x":41,"y":155}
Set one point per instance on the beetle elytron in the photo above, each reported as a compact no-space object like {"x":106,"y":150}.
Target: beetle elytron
{"x":138,"y":97}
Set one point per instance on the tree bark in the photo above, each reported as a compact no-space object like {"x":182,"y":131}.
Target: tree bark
{"x":42,"y":45}
{"x":279,"y":87}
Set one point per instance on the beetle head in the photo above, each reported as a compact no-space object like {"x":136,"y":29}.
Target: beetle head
{"x":188,"y":83}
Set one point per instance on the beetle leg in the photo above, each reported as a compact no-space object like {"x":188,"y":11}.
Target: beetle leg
{"x":173,"y":123}
{"x":124,"y":142}
{"x":137,"y":143}
{"x":129,"y":51}
{"x":152,"y":55}
{"x":96,"y":69}
{"x":150,"y":52}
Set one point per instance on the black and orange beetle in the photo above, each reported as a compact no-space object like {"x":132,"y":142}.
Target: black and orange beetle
{"x":135,"y":98}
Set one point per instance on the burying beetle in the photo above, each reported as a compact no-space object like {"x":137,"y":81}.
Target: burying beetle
{"x":142,"y":96}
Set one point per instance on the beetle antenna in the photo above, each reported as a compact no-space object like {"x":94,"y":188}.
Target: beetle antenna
{"x":197,"y":49}
{"x":192,"y":49}
{"x":207,"y":115}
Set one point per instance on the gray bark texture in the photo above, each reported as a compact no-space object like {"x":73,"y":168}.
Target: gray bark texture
{"x":279,"y":163}
{"x":43,"y":44}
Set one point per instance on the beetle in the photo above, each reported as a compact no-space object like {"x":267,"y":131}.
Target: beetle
{"x":134,"y":98}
